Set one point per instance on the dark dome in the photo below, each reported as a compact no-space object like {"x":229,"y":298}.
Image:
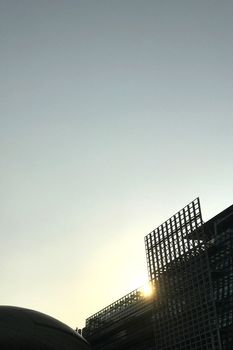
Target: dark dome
{"x":23,"y":329}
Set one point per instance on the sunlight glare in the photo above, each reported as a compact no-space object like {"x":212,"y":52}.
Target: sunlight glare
{"x":147,"y":290}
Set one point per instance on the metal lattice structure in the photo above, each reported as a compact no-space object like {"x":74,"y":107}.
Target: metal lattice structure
{"x":190,"y":266}
{"x":171,"y":242}
{"x":120,"y":309}
{"x":185,"y":315}
{"x":220,"y":252}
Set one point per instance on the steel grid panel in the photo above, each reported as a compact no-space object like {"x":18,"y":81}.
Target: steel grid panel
{"x":130,"y":303}
{"x":173,"y":241}
{"x":178,"y":267}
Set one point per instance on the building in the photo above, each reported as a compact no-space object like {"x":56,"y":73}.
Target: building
{"x":190,"y":267}
{"x":24,"y":329}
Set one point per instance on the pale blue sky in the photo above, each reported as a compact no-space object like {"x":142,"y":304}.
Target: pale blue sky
{"x":113,"y":116}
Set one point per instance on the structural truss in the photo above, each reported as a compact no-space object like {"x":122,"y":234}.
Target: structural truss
{"x":184,"y":311}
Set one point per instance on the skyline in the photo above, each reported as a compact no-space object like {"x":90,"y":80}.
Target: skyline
{"x":114,"y":115}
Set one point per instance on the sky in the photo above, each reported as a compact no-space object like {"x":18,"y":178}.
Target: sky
{"x":114,"y":114}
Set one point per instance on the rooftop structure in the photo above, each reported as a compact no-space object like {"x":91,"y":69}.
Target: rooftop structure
{"x":26,"y":329}
{"x":190,"y":266}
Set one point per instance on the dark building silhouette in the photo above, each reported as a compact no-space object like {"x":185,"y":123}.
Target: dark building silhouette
{"x":24,"y":329}
{"x":190,"y":267}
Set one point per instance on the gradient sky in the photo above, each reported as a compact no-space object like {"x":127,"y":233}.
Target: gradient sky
{"x":113,"y":116}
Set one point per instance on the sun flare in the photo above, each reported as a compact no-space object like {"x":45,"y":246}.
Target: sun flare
{"x":147,"y":290}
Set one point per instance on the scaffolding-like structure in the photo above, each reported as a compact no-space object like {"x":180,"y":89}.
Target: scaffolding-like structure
{"x":130,"y":304}
{"x":178,"y":266}
{"x":190,"y":267}
{"x":124,"y":324}
{"x":219,"y":231}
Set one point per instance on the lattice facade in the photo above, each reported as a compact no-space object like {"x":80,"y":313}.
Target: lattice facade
{"x":220,"y":252}
{"x":124,"y":324}
{"x":190,"y":265}
{"x":170,"y":242}
{"x":119,"y":309}
{"x":185,"y":315}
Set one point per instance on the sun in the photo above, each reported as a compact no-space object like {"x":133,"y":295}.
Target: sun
{"x":147,"y":290}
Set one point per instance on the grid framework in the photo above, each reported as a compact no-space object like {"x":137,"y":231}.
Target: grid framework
{"x":220,"y":253}
{"x":178,"y":267}
{"x":122,"y":308}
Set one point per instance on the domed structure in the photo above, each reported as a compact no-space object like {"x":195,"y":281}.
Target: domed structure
{"x":31,"y":330}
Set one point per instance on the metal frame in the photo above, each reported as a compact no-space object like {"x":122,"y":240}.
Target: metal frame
{"x":178,"y":267}
{"x":220,"y":253}
{"x":190,"y":266}
{"x":123,"y":307}
{"x":170,"y":242}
